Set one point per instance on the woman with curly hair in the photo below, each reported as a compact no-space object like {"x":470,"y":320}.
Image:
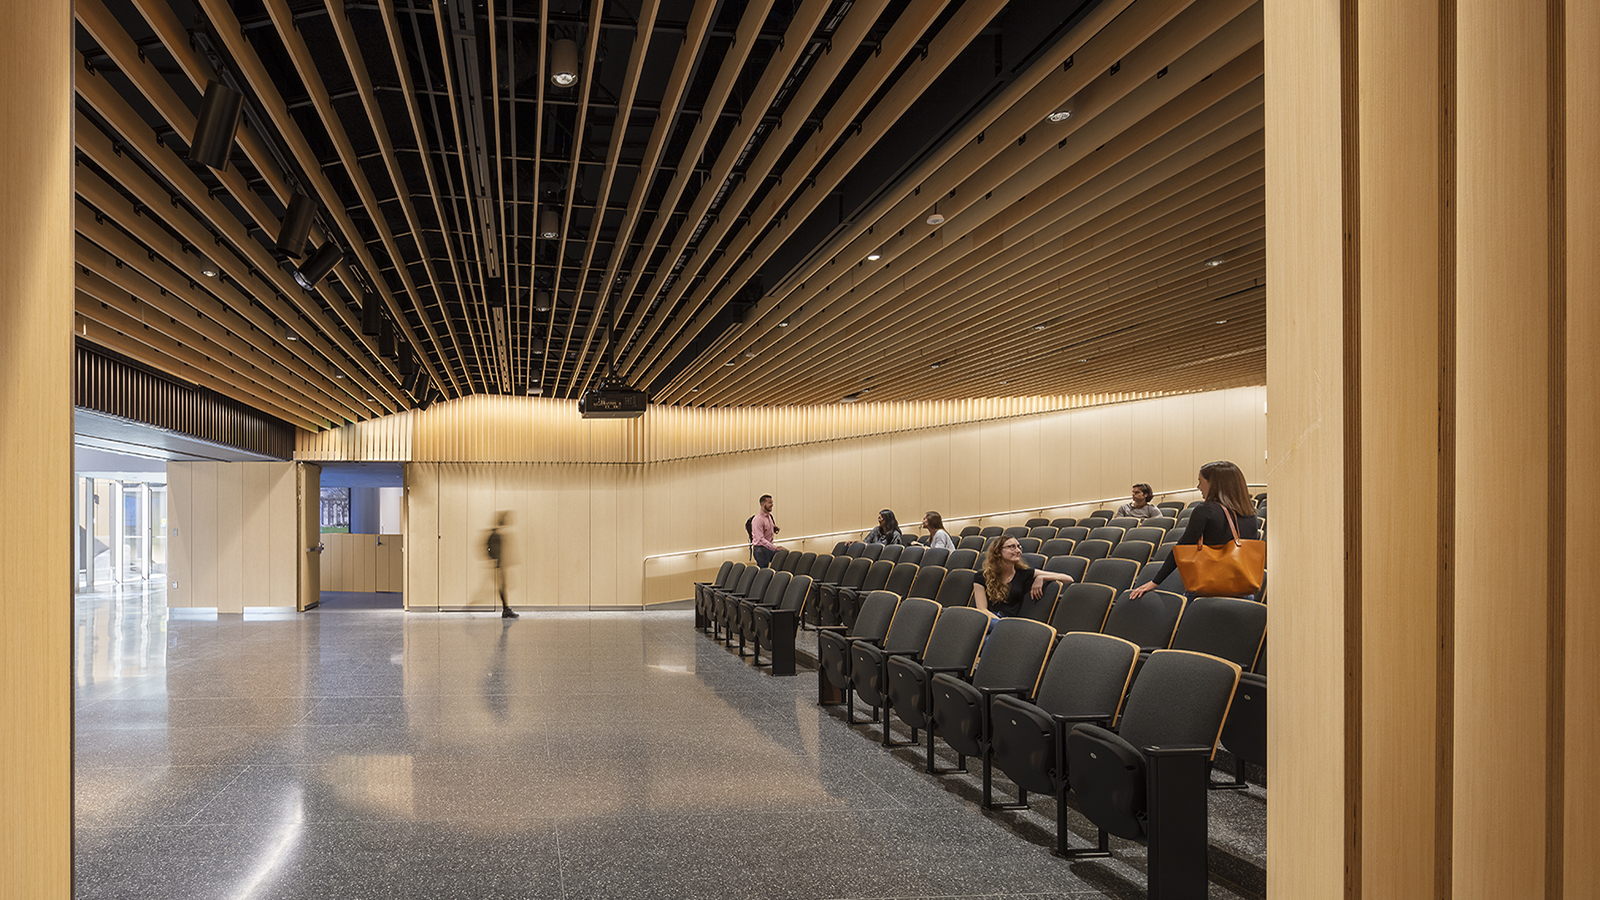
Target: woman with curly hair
{"x":1006,"y":580}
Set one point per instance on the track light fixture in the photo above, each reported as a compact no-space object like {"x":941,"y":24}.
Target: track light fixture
{"x":386,"y":339}
{"x":1060,"y":115}
{"x":549,"y":224}
{"x":214,"y":129}
{"x":541,"y":301}
{"x":320,"y":264}
{"x":296,"y":227}
{"x":371,"y":315}
{"x":564,"y":63}
{"x":288,"y":333}
{"x":408,"y":362}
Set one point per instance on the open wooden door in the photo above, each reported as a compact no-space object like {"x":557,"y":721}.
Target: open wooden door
{"x":308,"y":479}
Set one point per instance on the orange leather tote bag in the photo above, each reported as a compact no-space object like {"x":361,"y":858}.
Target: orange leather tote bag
{"x":1233,"y":569}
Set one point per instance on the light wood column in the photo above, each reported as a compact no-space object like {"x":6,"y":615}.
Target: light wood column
{"x":1432,"y":175}
{"x":35,"y":457}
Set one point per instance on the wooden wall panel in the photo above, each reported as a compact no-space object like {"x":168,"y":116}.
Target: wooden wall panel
{"x":1179,"y":464}
{"x":1306,"y":824}
{"x":229,"y":557}
{"x":202,"y":533}
{"x":422,"y":565}
{"x":180,"y":573}
{"x":1580,"y":814}
{"x":255,"y":511}
{"x":282,"y":538}
{"x":454,"y":584}
{"x":572,"y":540}
{"x":36,"y":521}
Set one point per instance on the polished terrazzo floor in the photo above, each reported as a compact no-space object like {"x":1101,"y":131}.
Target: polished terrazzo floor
{"x":355,"y":752}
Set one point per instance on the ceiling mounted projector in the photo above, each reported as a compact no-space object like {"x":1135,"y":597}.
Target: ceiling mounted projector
{"x":613,"y":400}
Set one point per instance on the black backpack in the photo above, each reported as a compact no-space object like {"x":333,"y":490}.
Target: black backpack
{"x":748,"y":532}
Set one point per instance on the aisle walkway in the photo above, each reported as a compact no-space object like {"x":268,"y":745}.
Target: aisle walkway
{"x":378,"y":754}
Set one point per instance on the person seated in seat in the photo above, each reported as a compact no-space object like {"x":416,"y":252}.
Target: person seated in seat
{"x":937,"y":536}
{"x":1139,"y":506}
{"x":887,"y":531}
{"x":1006,"y":580}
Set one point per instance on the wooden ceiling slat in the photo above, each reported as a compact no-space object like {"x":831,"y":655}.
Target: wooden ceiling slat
{"x":677,"y":84}
{"x":474,"y":296}
{"x":269,"y":97}
{"x":1142,"y":44}
{"x":133,"y":314}
{"x":176,"y":272}
{"x":804,"y":192}
{"x":939,"y":52}
{"x":133,"y":133}
{"x":795,"y":41}
{"x":380,"y":131}
{"x":586,"y":91}
{"x":1098,"y":155}
{"x":282,"y":374}
{"x":192,"y":364}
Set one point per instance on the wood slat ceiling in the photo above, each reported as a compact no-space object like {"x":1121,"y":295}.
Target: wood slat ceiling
{"x":721,"y":176}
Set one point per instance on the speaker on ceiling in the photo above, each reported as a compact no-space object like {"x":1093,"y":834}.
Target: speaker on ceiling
{"x":214,"y":129}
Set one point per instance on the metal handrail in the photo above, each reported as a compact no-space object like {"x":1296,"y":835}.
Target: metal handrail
{"x":988,"y":515}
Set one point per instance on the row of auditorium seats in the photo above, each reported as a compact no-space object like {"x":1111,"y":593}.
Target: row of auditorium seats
{"x":1126,"y":715}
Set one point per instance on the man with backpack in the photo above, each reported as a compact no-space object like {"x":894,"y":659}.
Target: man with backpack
{"x":763,"y":529}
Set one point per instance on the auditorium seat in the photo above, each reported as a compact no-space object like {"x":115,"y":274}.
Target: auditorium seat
{"x":1125,"y":522}
{"x":1082,"y":607}
{"x":1056,"y":547}
{"x":1108,"y":533}
{"x":1016,"y":531}
{"x":912,"y":553}
{"x":935,"y":556}
{"x":970,"y":530}
{"x":833,"y":644}
{"x":970,"y":542}
{"x":1155,"y":536}
{"x":908,"y":634}
{"x":964,"y":558}
{"x":1063,"y":522}
{"x":854,"y":574}
{"x":952,"y":647}
{"x":1147,"y":781}
{"x":829,"y":579}
{"x":1074,"y":566}
{"x":925,"y":585}
{"x":1138,"y":551}
{"x":1084,"y":682}
{"x":850,"y":598}
{"x":1148,"y":621}
{"x":1073,"y":532}
{"x":1037,"y":521}
{"x":1029,"y":544}
{"x":956,"y":589}
{"x":1092,"y":550}
{"x":773,"y":627}
{"x":1011,"y":661}
{"x":1042,"y":532}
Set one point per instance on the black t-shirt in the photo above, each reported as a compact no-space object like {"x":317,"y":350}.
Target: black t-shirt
{"x":1021,"y":585}
{"x":1209,"y":526}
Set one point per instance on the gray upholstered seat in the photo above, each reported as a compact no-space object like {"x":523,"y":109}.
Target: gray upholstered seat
{"x":1156,"y":536}
{"x":970,"y":542}
{"x":1011,"y":661}
{"x":907,"y":636}
{"x":1042,"y":532}
{"x":1148,"y":621}
{"x":952,"y":647}
{"x":956,"y":587}
{"x":1084,"y":681}
{"x":912,"y":554}
{"x":1092,"y":549}
{"x":1082,"y":607}
{"x":833,"y":643}
{"x":1063,"y":522}
{"x":854,"y":574}
{"x":926,"y":585}
{"x":849,"y":599}
{"x":1119,"y":573}
{"x":1138,"y":551}
{"x":1056,"y":547}
{"x":1029,"y":544}
{"x":962,"y":558}
{"x":935,"y":556}
{"x":1071,"y":565}
{"x":773,"y":627}
{"x":1108,"y":533}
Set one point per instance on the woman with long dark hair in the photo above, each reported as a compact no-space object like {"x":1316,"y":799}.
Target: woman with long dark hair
{"x":1226,"y":495}
{"x":937,"y":536}
{"x":1006,"y":580}
{"x":888,"y":530}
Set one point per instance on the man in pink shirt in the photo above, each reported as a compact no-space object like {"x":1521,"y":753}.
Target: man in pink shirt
{"x":763,"y":528}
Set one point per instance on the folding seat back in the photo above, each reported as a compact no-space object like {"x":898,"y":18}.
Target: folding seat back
{"x":1037,"y":521}
{"x":969,"y":530}
{"x":1150,"y":570}
{"x":990,"y":531}
{"x":971,"y":542}
{"x":900,"y":578}
{"x":952,"y":646}
{"x":1012,"y":659}
{"x":1108,"y":534}
{"x":1148,"y":621}
{"x":835,"y":570}
{"x":913,"y":554}
{"x":956,"y":588}
{"x":964,"y":558}
{"x":1030,"y":544}
{"x":820,"y":566}
{"x":773,"y":628}
{"x":891,"y":552}
{"x":1092,"y":550}
{"x":1178,"y":704}
{"x":1042,"y":532}
{"x":1224,"y":627}
{"x":872,"y":551}
{"x":1183,"y":518}
{"x":1106,"y":514}
{"x":926,"y":585}
{"x":908,"y":540}
{"x":722,"y":574}
{"x":1034,"y":560}
{"x":871,"y":624}
{"x":1154,"y":536}
{"x":1261,"y":497}
{"x":990,"y":541}
{"x":1067,"y":565}
{"x":1063,"y":522}
{"x":829,"y":596}
{"x":1082,"y":607}
{"x":841,"y":548}
{"x":1118,"y":573}
{"x":1245,"y":733}
{"x":855,"y":548}
{"x":1138,"y":551}
{"x":779,"y":557}
{"x":1073,"y":533}
{"x":1056,"y":547}
{"x":1163,"y":550}
{"x":935,"y":556}
{"x":725,"y":574}
{"x":856,"y":572}
{"x":742,"y":585}
{"x":908,"y":634}
{"x":1165,"y":523}
{"x":1170,"y":504}
{"x":1195,"y":503}
{"x":1085,"y":680}
{"x":850,"y":600}
{"x":1016,"y":531}
{"x":1125,"y":522}
{"x":802,"y":564}
{"x":1039,"y":608}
